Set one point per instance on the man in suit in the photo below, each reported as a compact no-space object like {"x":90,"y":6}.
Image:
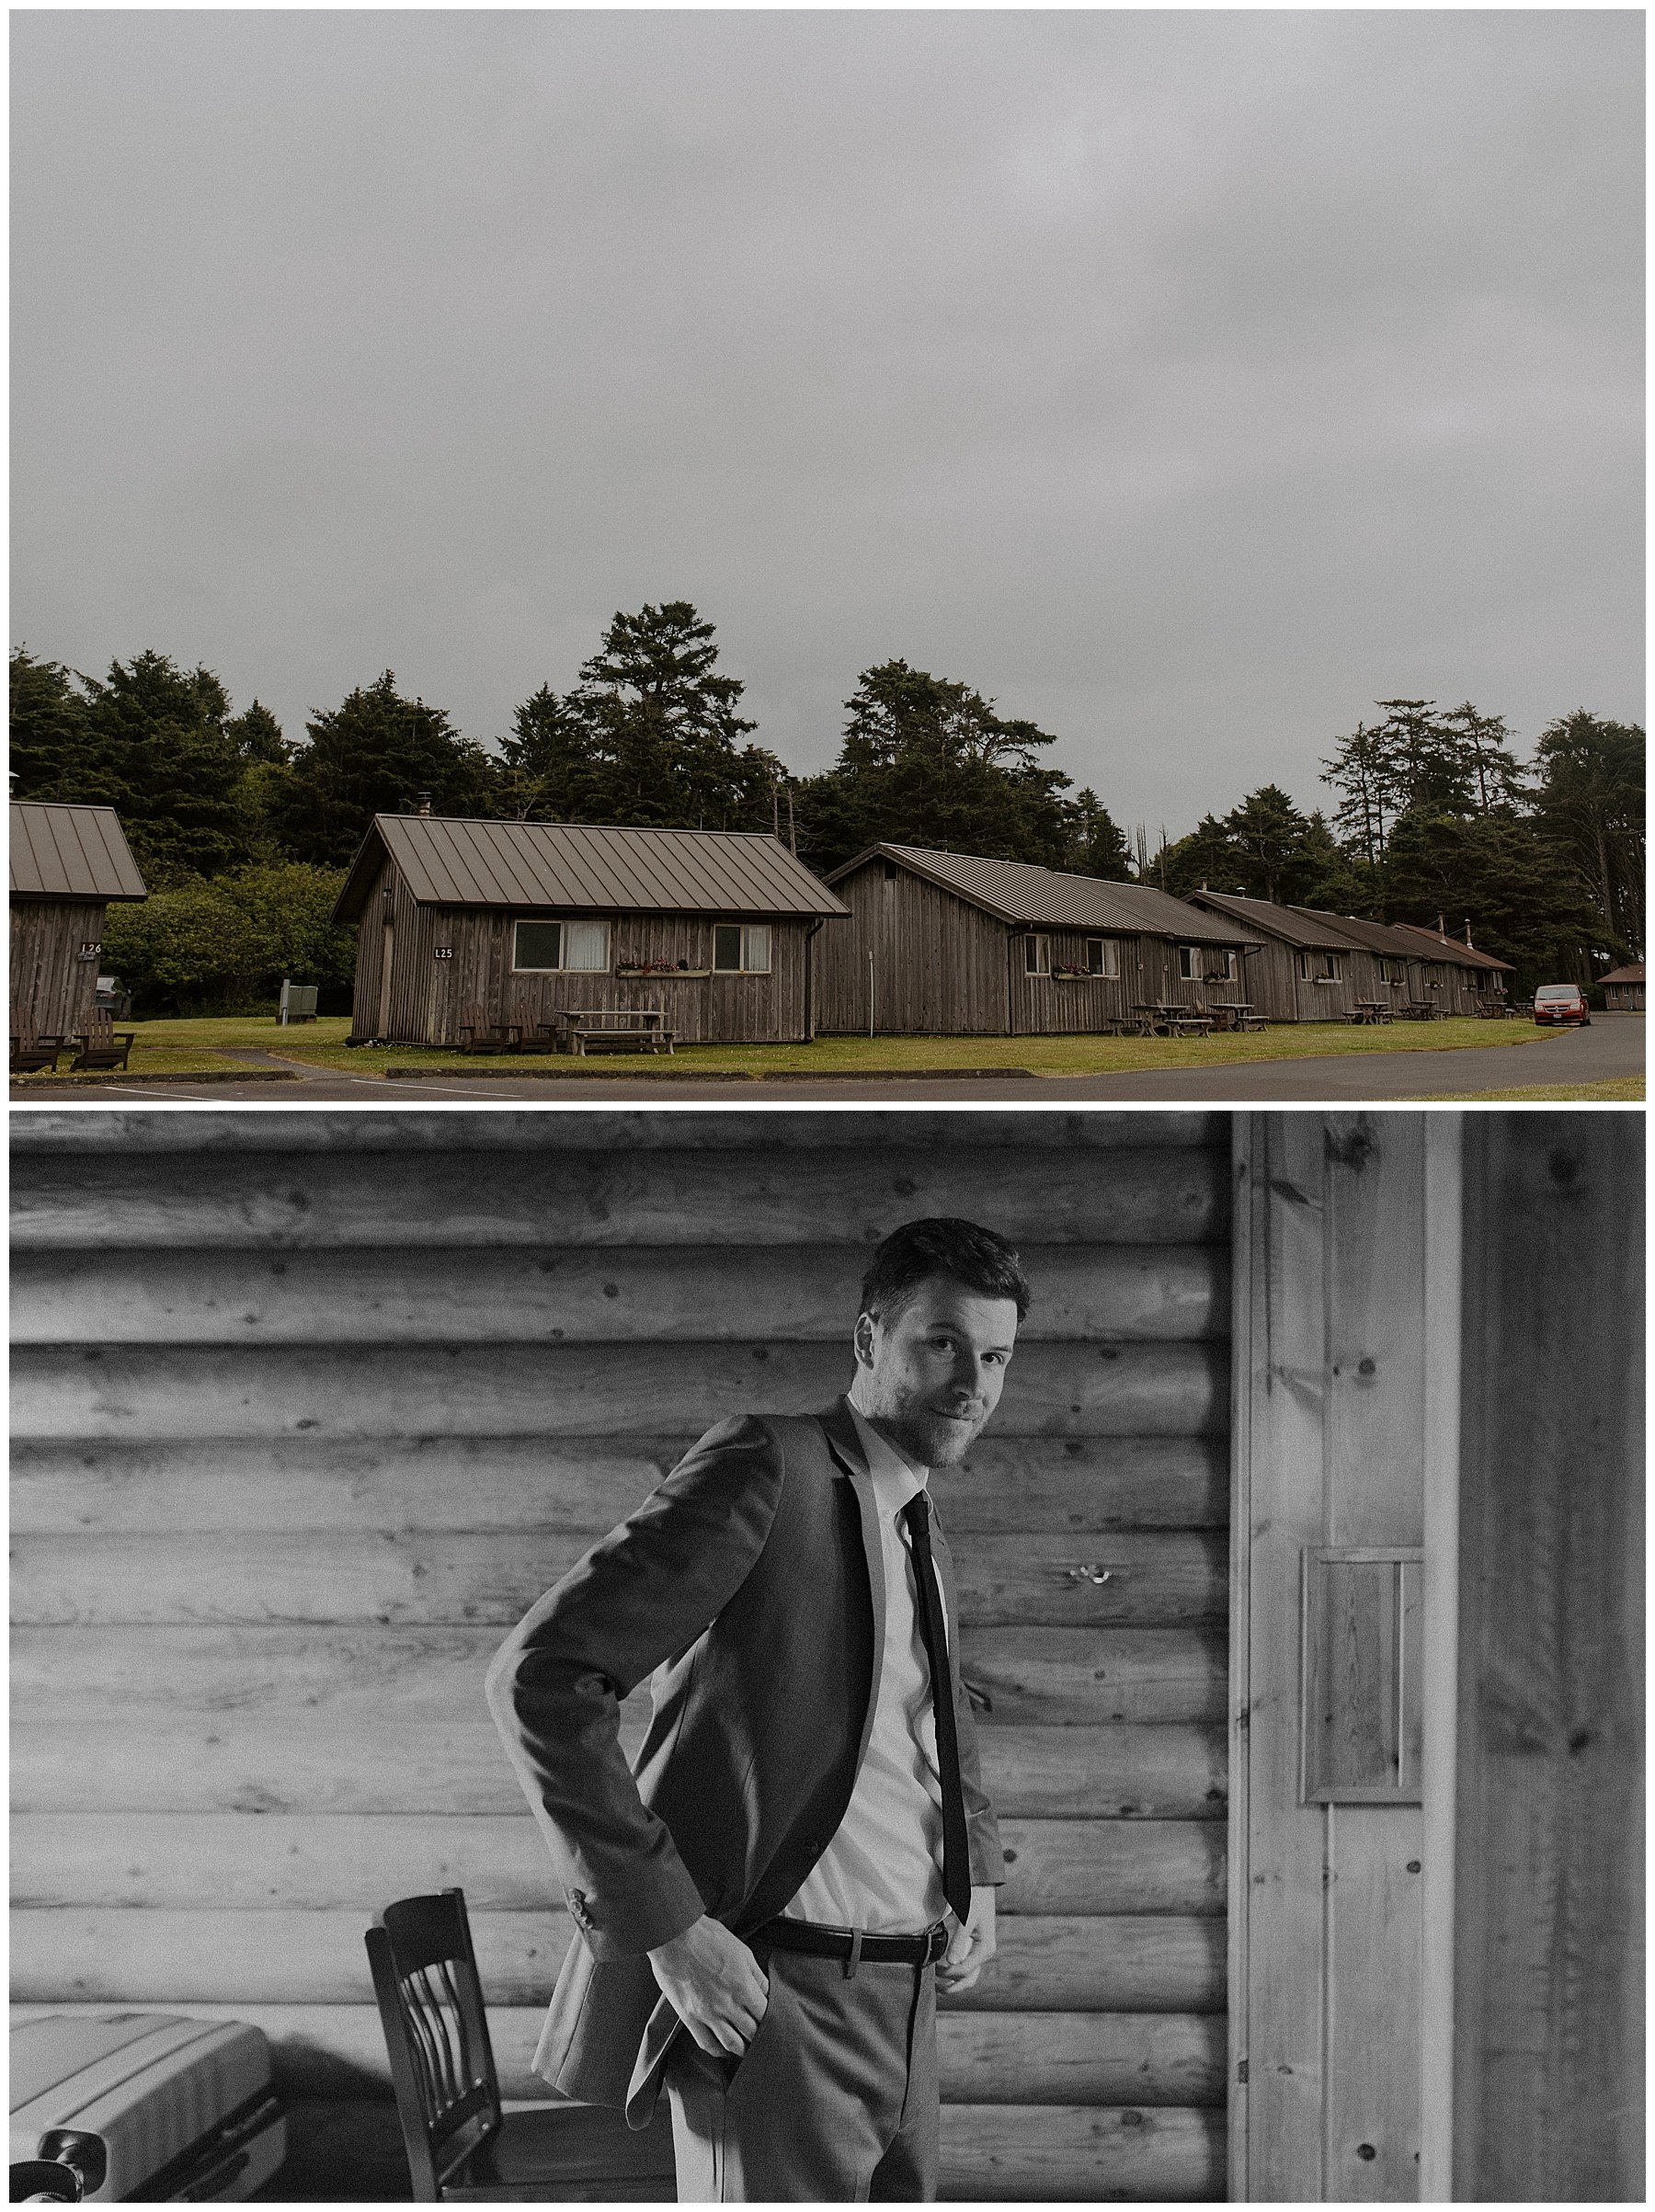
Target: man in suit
{"x":766,"y":1908}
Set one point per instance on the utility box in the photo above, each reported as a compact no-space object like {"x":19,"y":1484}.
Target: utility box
{"x":298,"y":1002}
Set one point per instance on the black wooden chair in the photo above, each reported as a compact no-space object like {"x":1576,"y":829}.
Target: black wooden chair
{"x":462,"y":2146}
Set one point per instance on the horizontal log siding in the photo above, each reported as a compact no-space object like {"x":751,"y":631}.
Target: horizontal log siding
{"x":942,"y":966}
{"x":50,"y":982}
{"x":430,"y":998}
{"x":301,"y":1428}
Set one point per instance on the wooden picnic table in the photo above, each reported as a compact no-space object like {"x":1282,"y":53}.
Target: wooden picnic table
{"x":1232,"y":1014}
{"x":630,"y":1028}
{"x":1369,"y":1011}
{"x":1160,"y":1017}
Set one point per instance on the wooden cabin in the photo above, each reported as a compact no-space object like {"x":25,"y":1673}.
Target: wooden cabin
{"x":67,"y":864}
{"x":1417,"y":968}
{"x":951,"y":944}
{"x":517,"y":922}
{"x":1469,"y":981}
{"x":1309,"y":967}
{"x":310,"y":1405}
{"x":1624,"y":989}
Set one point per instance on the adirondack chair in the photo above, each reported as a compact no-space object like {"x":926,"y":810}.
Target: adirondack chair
{"x":31,"y":1052}
{"x":101,"y":1045}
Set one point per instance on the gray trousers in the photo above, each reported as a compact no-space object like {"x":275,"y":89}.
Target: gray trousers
{"x":833,"y":2102}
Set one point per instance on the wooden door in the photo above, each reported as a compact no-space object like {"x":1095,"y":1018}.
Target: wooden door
{"x":1342,"y":1343}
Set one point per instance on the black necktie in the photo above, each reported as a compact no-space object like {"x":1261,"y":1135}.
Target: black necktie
{"x":956,"y":1853}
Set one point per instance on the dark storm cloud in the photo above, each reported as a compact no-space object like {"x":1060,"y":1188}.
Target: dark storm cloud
{"x":1186,"y":380}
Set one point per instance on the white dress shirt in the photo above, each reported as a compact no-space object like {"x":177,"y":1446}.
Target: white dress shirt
{"x":882,"y":1871}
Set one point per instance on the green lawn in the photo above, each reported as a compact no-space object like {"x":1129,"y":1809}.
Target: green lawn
{"x":195,"y":1046}
{"x":1553,"y":1094}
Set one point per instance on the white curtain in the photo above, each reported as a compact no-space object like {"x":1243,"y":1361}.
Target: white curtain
{"x":585,"y":946}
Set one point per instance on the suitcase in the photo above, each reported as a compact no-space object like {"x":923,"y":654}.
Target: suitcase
{"x":146,"y":2107}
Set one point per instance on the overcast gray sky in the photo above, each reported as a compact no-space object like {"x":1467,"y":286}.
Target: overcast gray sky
{"x":1186,"y":380}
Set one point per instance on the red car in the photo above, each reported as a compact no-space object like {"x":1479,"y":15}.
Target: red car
{"x":1563,"y":1002}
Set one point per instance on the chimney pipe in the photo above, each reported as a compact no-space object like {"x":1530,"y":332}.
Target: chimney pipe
{"x":1470,"y":946}
{"x":422,"y":802}
{"x":1441,"y":929}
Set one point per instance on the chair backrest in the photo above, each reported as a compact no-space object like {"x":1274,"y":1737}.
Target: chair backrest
{"x":430,"y":2002}
{"x":100,"y":1026}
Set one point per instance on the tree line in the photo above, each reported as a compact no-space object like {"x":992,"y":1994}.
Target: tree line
{"x":243,"y":834}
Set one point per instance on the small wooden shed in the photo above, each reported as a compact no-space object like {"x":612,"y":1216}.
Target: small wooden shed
{"x":1624,"y":989}
{"x":518,"y":921}
{"x":953,"y":944}
{"x":67,"y":864}
{"x":1309,"y":967}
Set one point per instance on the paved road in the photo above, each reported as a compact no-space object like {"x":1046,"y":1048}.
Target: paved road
{"x":1612,"y":1046}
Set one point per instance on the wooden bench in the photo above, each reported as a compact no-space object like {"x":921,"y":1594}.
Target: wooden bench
{"x":31,"y":1052}
{"x":101,"y":1045}
{"x":479,"y":1033}
{"x":615,"y":1029}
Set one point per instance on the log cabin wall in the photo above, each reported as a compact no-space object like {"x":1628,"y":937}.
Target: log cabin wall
{"x":50,"y":982}
{"x":310,"y":1406}
{"x":430,"y":997}
{"x":942,"y":966}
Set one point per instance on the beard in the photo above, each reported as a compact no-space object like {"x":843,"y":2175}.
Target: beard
{"x":932,"y":1440}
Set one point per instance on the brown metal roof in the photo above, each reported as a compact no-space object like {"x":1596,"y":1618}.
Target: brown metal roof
{"x":1043,"y":897}
{"x":1293,"y":925}
{"x":71,"y":852}
{"x":1402,"y":941}
{"x":1451,"y":948}
{"x":455,"y":861}
{"x":1635,"y":974}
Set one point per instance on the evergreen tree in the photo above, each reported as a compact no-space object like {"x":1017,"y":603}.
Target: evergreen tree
{"x":927,"y":761}
{"x":375,"y":753}
{"x":1360,"y":773}
{"x":158,"y":749}
{"x":1590,"y":810}
{"x":1495,"y":873}
{"x":1205,"y":859}
{"x":257,"y":736}
{"x":650,"y":735}
{"x":51,"y":735}
{"x":1097,"y":844}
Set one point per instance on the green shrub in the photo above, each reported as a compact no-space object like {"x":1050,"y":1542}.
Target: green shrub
{"x":223,"y":947}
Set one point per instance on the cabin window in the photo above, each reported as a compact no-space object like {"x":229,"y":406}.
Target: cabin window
{"x":1393,"y":971}
{"x":548,"y":948}
{"x":742,"y":948}
{"x":1037,"y":955}
{"x":890,"y":872}
{"x":1333,"y":967}
{"x":1189,"y":962}
{"x":1102,"y":955}
{"x":1321,"y":967}
{"x":1220,"y":967}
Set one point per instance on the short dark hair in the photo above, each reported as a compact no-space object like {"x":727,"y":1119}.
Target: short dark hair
{"x":980,"y":1259}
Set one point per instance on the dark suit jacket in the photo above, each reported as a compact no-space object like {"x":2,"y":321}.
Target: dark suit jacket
{"x":750,"y":1585}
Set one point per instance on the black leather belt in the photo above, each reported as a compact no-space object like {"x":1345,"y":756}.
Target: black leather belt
{"x":853,"y":1943}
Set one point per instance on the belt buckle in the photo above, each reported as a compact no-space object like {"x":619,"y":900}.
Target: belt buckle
{"x":937,"y":1944}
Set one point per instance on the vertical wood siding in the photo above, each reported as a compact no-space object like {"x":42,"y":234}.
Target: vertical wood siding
{"x":310,"y":1406}
{"x":1326,"y":1967}
{"x":1548,"y":2078}
{"x":50,"y":982}
{"x":430,"y":998}
{"x":942,"y":966}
